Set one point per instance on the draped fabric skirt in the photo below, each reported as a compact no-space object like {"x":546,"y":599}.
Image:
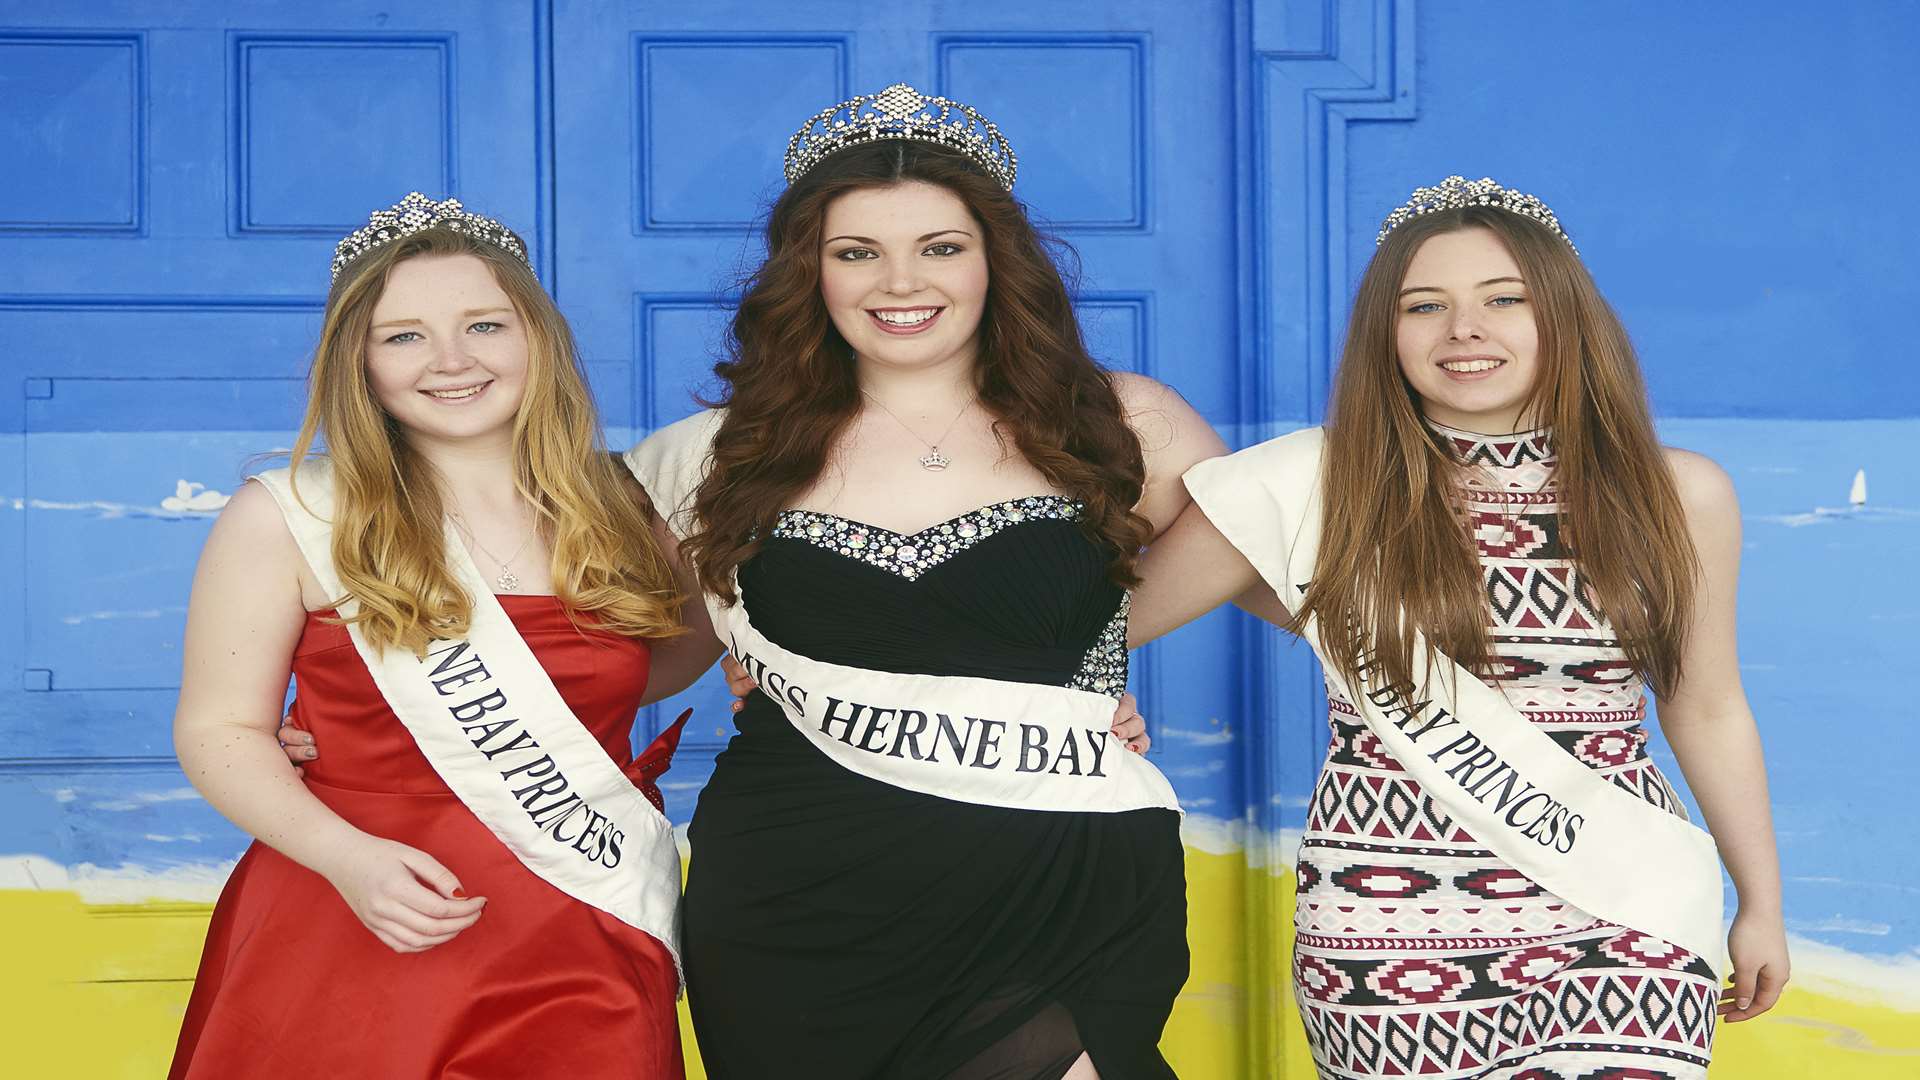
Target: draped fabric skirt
{"x":838,"y":927}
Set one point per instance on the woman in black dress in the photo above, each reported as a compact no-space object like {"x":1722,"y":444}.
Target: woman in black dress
{"x":920,"y":479}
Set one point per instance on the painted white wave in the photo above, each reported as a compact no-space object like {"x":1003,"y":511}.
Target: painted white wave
{"x":1890,"y":981}
{"x":113,"y":616}
{"x":143,"y":799}
{"x":128,"y":883}
{"x":1218,"y":737}
{"x":108,"y":511}
{"x":1851,"y":883}
{"x":189,"y":500}
{"x":1834,"y":515}
{"x":1272,"y":850}
{"x":1840,"y":924}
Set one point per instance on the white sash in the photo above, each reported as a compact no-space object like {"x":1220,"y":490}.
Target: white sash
{"x":1536,"y":806}
{"x":489,"y":719}
{"x":1019,"y":745}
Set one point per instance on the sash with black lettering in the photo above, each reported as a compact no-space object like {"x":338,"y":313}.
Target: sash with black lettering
{"x":1534,"y":805}
{"x":978,"y":740}
{"x":497,"y":731}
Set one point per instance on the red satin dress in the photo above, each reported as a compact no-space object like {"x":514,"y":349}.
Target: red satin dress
{"x":291,"y":985}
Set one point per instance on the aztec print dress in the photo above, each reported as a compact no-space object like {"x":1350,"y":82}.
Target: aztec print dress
{"x":1419,"y":953}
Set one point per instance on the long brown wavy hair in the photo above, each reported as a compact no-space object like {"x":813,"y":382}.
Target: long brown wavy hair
{"x":790,"y":388}
{"x":388,"y":540}
{"x":1395,"y":553}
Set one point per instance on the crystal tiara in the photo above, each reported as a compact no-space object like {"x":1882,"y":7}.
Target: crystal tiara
{"x":901,"y":112}
{"x":417,"y":213}
{"x":1457,"y":192}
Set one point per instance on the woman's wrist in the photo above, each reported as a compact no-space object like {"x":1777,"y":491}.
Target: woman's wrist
{"x":1763,"y":903}
{"x":337,"y":845}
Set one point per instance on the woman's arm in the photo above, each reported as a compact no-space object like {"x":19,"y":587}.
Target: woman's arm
{"x":678,"y":662}
{"x":1190,"y":570}
{"x":1708,"y":723}
{"x":243,"y":622}
{"x":1173,"y":437}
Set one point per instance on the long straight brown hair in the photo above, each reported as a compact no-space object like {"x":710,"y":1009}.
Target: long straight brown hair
{"x":1395,"y":552}
{"x":791,"y":390}
{"x":389,"y":544}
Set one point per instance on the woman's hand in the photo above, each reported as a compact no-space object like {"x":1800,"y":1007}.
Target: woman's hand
{"x":1758,"y":946}
{"x":298,"y":745}
{"x":402,"y":894}
{"x":1129,"y":726}
{"x":739,"y":683}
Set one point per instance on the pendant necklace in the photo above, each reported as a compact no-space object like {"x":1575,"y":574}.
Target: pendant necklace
{"x":508,"y":581}
{"x":933,"y":460}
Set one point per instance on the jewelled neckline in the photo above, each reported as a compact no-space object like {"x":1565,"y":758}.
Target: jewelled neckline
{"x":913,"y":554}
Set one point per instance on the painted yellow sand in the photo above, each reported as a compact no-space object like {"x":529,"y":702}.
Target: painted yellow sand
{"x":95,"y":992}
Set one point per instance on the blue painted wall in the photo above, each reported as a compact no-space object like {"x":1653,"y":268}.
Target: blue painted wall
{"x":176,"y":174}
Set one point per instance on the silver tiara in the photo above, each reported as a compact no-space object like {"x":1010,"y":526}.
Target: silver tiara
{"x":416,"y":213}
{"x":901,"y":112}
{"x":1456,"y":192}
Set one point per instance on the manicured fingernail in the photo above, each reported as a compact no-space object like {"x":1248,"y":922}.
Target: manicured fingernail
{"x":312,"y":753}
{"x":459,"y":894}
{"x":1744,"y":1002}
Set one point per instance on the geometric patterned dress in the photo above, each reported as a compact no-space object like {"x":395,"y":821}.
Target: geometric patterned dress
{"x":1418,"y":951}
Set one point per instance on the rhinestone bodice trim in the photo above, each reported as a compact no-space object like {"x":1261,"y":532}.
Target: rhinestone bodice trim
{"x":1104,"y":668}
{"x":913,"y":555}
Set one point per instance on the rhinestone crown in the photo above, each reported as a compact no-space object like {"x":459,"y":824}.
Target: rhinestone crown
{"x":901,"y":112}
{"x":1456,"y":192}
{"x":416,"y":213}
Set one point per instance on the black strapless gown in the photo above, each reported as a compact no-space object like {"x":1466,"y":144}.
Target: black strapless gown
{"x":840,"y":927}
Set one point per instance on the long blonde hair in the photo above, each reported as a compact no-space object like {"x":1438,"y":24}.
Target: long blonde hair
{"x":1393,"y":538}
{"x":388,"y":539}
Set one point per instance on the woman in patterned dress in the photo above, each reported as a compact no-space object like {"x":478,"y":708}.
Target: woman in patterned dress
{"x":1489,"y":406}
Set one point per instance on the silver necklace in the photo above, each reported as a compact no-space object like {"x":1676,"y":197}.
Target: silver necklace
{"x":508,"y":581}
{"x":933,"y":460}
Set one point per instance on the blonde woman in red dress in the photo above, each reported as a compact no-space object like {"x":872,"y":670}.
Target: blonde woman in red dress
{"x":465,"y":587}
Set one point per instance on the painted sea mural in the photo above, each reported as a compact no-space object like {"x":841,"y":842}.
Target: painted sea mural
{"x":1738,"y":186}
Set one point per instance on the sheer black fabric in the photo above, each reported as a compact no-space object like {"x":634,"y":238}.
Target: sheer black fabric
{"x":839,"y":927}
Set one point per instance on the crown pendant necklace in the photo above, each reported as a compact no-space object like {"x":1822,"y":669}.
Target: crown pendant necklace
{"x":508,"y":581}
{"x":933,"y":460}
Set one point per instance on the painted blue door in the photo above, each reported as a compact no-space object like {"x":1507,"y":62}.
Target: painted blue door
{"x":176,"y":177}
